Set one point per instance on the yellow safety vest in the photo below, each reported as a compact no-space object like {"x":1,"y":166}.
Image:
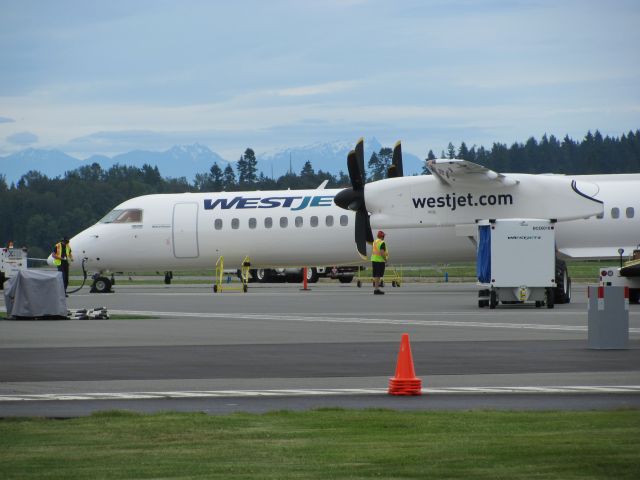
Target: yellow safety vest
{"x":377,"y":254}
{"x":57,"y":258}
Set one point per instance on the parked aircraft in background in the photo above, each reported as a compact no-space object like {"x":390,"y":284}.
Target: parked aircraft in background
{"x":427,"y":219}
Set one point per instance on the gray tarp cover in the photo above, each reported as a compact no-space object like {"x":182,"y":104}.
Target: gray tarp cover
{"x":33,"y":293}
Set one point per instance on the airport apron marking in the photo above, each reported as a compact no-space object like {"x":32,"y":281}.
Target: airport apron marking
{"x":577,"y":389}
{"x":385,"y":321}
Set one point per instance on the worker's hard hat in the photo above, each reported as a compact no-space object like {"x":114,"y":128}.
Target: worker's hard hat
{"x":380,"y":234}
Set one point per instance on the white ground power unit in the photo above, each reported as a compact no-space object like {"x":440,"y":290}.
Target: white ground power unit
{"x":12,"y":260}
{"x":516,"y":262}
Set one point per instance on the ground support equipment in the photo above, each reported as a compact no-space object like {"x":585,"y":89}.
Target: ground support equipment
{"x":221,"y":286}
{"x":392,"y":275}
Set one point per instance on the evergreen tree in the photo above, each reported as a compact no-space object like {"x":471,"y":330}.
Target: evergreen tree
{"x":373,"y":167}
{"x":451,"y":151}
{"x":342,"y":180}
{"x":229,"y":178}
{"x":307,"y":170}
{"x":463,"y":152}
{"x":430,"y":156}
{"x":217,"y":177}
{"x":247,"y":169}
{"x":379,"y":164}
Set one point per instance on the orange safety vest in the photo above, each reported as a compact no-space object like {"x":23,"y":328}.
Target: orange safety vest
{"x":377,"y":254}
{"x":57,"y":257}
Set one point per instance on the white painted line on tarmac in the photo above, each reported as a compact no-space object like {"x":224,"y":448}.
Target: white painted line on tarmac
{"x":375,"y":321}
{"x":633,"y":389}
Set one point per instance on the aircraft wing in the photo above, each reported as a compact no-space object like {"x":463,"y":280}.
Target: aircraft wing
{"x":593,"y":252}
{"x":462,"y":172}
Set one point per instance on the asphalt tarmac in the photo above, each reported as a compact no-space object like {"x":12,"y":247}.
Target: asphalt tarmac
{"x":277,"y":347}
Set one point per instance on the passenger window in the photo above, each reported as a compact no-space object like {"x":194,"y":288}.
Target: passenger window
{"x":630,"y":212}
{"x":313,"y":221}
{"x":284,"y":221}
{"x":329,"y":220}
{"x":298,"y":222}
{"x":218,"y":224}
{"x":253,"y":223}
{"x":131,"y":215}
{"x":344,"y":220}
{"x":235,"y":223}
{"x":268,"y":222}
{"x":615,"y":212}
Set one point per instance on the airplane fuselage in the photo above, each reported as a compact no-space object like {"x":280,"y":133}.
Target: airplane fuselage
{"x":305,"y":227}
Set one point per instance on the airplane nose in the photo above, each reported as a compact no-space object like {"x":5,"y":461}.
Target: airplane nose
{"x":80,"y":244}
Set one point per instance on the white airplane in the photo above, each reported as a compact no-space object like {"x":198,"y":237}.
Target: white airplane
{"x":427,"y":219}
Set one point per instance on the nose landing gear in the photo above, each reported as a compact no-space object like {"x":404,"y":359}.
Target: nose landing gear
{"x":102,"y":284}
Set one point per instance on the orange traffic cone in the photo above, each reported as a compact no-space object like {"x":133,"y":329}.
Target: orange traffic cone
{"x":405,"y":382}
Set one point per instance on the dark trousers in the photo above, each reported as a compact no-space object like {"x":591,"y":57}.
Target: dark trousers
{"x":378,"y":269}
{"x":64,"y":268}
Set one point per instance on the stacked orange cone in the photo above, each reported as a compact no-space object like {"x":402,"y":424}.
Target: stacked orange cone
{"x":405,"y":382}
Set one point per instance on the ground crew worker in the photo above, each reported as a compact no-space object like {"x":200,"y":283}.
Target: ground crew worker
{"x":379,"y":256}
{"x":61,"y":257}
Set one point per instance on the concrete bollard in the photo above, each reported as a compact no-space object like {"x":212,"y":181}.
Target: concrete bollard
{"x":608,"y":318}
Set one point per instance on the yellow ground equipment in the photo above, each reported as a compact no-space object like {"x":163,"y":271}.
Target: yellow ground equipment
{"x":391,"y":274}
{"x":220,"y":286}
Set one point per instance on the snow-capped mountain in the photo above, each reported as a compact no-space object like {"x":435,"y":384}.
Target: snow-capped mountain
{"x":47,"y":162}
{"x":329,"y":157}
{"x":188,"y":160}
{"x":178,"y":161}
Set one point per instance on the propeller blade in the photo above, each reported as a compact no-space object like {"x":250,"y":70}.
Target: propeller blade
{"x":369,"y":232}
{"x":360,"y":157}
{"x":355,"y":173}
{"x":396,"y":170}
{"x":362,"y":219}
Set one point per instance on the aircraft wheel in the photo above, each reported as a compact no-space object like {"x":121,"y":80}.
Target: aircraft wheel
{"x":347,"y":279}
{"x":359,"y":284}
{"x":312,"y":275}
{"x":215,"y":289}
{"x":101,"y":285}
{"x":263,"y":275}
{"x":549,"y":295}
{"x":562,"y":293}
{"x":493,"y":299}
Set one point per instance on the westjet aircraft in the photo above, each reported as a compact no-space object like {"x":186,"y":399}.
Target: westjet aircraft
{"x":427,"y":219}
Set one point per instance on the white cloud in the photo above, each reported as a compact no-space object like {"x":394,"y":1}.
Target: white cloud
{"x":320,"y":89}
{"x":22,"y":138}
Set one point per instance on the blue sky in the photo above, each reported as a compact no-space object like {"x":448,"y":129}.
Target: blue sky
{"x":107,"y":77}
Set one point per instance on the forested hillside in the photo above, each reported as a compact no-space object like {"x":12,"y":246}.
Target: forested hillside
{"x":37,"y":210}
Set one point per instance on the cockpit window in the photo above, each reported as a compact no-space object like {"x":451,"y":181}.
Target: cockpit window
{"x":132,"y":215}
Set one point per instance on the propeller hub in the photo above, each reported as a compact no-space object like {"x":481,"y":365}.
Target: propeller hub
{"x":350,"y":199}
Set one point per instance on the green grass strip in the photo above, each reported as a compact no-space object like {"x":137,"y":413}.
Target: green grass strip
{"x":327,"y":443}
